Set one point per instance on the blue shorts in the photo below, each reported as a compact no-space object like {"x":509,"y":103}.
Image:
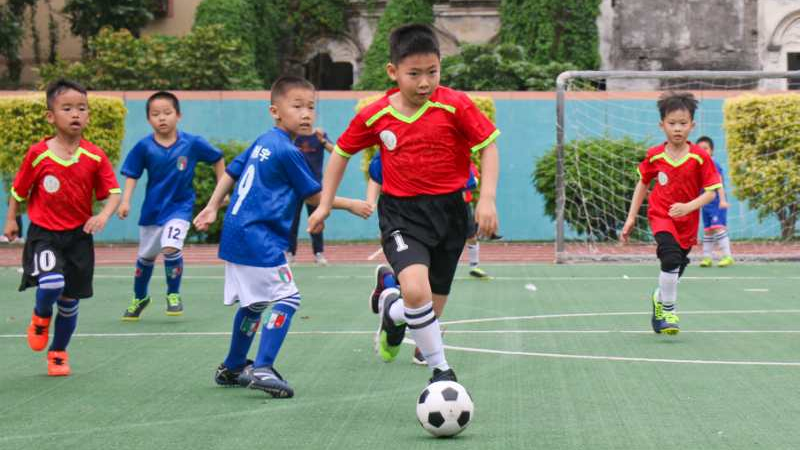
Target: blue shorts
{"x":714,"y":217}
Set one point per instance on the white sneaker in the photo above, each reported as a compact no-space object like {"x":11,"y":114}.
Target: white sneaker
{"x":319,"y":258}
{"x":3,"y":238}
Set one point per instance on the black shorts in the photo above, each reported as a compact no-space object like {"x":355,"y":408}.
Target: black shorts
{"x":670,"y":253}
{"x":428,"y":229}
{"x":70,"y":253}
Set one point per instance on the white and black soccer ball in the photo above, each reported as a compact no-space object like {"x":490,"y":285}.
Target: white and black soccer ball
{"x":445,"y":408}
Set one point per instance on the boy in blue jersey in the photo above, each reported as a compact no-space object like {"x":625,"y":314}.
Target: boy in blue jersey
{"x":169,"y":156}
{"x":715,"y":218}
{"x":271,"y":178}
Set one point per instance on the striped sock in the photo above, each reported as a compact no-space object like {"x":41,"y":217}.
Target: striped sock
{"x":424,"y":329}
{"x":668,"y":289}
{"x":724,"y":243}
{"x":274,"y":331}
{"x":66,"y":322}
{"x":173,"y":266}
{"x":141,"y":278}
{"x":51,"y":285}
{"x":474,"y":251}
{"x":708,"y":246}
{"x":245,"y":326}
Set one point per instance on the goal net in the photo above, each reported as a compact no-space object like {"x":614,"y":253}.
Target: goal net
{"x":606,"y":121}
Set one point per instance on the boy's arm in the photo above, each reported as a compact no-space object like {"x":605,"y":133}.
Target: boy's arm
{"x":219,"y":168}
{"x":125,"y":206}
{"x":330,"y":183}
{"x":96,"y":223}
{"x":723,"y":199}
{"x":682,"y":209}
{"x":373,"y":191}
{"x":357,"y":207}
{"x":209,"y":214}
{"x":11,"y":230}
{"x":486,"y":210}
{"x":639,"y":193}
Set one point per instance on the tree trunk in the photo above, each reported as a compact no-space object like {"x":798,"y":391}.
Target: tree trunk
{"x":788,"y":219}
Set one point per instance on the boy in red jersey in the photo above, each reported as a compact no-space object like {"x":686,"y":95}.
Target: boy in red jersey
{"x":426,"y":134}
{"x":681,"y":170}
{"x":59,"y":178}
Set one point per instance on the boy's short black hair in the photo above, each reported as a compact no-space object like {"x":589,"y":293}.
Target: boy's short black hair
{"x":60,"y":86}
{"x":676,"y":101}
{"x":285,"y":83}
{"x":706,"y":139}
{"x":412,"y":39}
{"x":166,"y":96}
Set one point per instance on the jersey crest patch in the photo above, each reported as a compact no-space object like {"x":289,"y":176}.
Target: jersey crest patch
{"x":663,"y":179}
{"x":51,"y":184}
{"x":182,"y":163}
{"x":389,"y":139}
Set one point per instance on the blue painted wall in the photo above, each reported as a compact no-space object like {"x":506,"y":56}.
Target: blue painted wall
{"x":528,"y":131}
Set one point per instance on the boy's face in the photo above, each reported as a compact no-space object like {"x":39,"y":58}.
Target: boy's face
{"x":417,"y":76}
{"x":677,"y":125}
{"x":70,"y":113}
{"x":162,"y":116}
{"x":707,"y":147}
{"x":295,"y":111}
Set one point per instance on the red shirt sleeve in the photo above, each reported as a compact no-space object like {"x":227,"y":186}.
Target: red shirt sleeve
{"x":356,"y":137}
{"x":708,"y":171}
{"x":105,"y":181}
{"x":476,"y":128}
{"x":25,"y":178}
{"x":647,"y":171}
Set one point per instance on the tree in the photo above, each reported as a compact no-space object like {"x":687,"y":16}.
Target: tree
{"x":397,"y":13}
{"x":12,"y":17}
{"x":88,"y":17}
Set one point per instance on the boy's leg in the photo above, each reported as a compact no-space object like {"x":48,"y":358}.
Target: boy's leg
{"x":673,"y":262}
{"x":245,"y":326}
{"x":708,"y":248}
{"x":43,"y":267}
{"x":317,"y":241}
{"x":65,"y":323}
{"x":172,"y":238}
{"x":295,"y":227}
{"x":149,"y":245}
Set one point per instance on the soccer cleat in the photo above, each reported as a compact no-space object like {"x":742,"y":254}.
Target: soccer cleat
{"x":657,"y":318}
{"x":670,"y":324}
{"x":58,"y":364}
{"x":265,"y":379}
{"x":38,"y":332}
{"x":477,"y":272}
{"x":380,"y":272}
{"x":320,"y":259}
{"x":706,"y":262}
{"x":390,"y":335}
{"x":134,"y":311}
{"x":227,"y":377}
{"x":443,"y":375}
{"x":725,"y":261}
{"x":174,"y":305}
{"x":417,"y":357}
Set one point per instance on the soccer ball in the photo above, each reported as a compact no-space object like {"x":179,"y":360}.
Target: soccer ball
{"x":445,"y":408}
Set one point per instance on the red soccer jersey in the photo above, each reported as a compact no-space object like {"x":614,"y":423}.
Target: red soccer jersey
{"x":60,"y":192}
{"x":427,"y":153}
{"x":677,"y":182}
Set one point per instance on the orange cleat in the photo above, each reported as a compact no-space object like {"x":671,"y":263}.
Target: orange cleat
{"x":58,"y":364}
{"x":38,"y":332}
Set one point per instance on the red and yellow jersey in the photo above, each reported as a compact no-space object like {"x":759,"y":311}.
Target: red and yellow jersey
{"x":677,"y":182}
{"x":427,"y":153}
{"x":60,"y":192}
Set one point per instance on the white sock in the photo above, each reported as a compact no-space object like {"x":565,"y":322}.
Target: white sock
{"x":668,"y":289}
{"x":474,"y":251}
{"x":396,"y":311}
{"x":424,"y":329}
{"x":708,"y":245}
{"x":724,"y":243}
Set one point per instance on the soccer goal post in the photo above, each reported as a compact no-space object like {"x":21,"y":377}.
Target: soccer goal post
{"x":606,"y":121}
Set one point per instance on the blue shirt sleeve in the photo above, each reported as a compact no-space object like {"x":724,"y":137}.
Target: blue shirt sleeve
{"x":206,"y":152}
{"x":236,"y":166}
{"x":376,"y":169}
{"x":135,"y":161}
{"x":298,"y":173}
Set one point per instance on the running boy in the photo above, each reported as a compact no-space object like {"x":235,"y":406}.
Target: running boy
{"x":426,"y":134}
{"x":169,"y":156}
{"x":715,"y":218}
{"x":60,"y":177}
{"x":681,"y":170}
{"x":271,"y":177}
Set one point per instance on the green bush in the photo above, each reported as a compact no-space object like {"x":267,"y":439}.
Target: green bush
{"x":763,"y":139}
{"x":23,"y":122}
{"x":122,"y":62}
{"x":599,"y":178}
{"x":204,"y":182}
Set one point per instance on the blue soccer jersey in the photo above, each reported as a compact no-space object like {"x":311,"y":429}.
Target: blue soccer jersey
{"x":272,"y":178}
{"x":170,"y":171}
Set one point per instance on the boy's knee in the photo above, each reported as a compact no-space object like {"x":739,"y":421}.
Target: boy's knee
{"x":170,"y":251}
{"x":671,"y":261}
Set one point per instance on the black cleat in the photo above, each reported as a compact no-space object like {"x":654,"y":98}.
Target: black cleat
{"x":266,"y":379}
{"x":380,"y":272}
{"x":134,"y":311}
{"x":227,"y":377}
{"x":443,"y":375}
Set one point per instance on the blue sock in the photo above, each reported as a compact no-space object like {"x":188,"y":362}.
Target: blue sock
{"x":173,"y":265}
{"x":274,"y":331}
{"x":66,"y":321}
{"x":141,"y":279}
{"x":389,"y":281}
{"x":245,"y":326}
{"x":50,"y":287}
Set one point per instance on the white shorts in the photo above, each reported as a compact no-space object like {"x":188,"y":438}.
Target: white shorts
{"x":153,"y":238}
{"x":248,"y":284}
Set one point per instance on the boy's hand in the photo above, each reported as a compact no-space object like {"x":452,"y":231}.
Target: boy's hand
{"x":679,"y":209}
{"x":320,"y":134}
{"x":486,"y":217}
{"x":724,"y":205}
{"x":627,"y":229}
{"x":123,"y":210}
{"x":316,"y":221}
{"x":95,"y":224}
{"x":206,"y":217}
{"x":11,"y":230}
{"x":361,"y":208}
